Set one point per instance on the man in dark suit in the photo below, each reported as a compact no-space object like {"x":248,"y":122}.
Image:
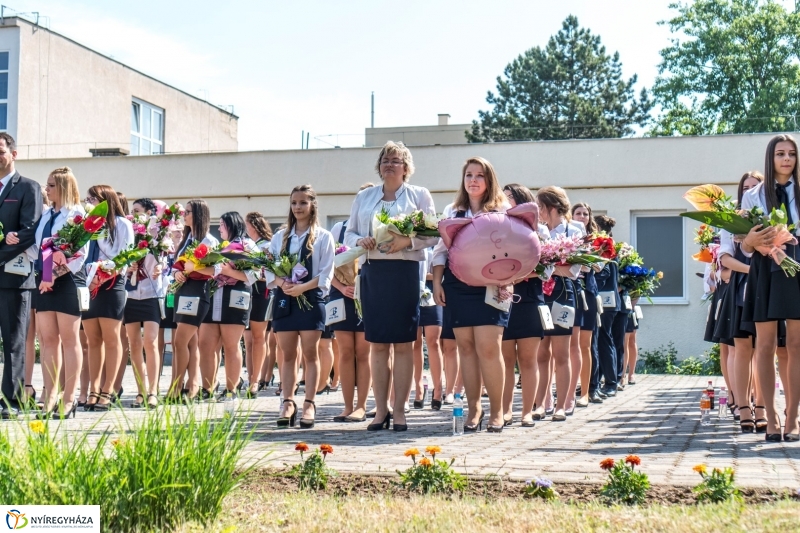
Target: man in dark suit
{"x":20,"y":210}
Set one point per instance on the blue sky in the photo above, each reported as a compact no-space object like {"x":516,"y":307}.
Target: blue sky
{"x":311,"y":65}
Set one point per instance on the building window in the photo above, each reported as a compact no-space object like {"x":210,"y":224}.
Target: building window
{"x":147,"y":128}
{"x":3,"y":91}
{"x":659,"y":239}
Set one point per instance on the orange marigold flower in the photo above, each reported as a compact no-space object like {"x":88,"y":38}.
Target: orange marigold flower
{"x":411,"y":452}
{"x":633,"y":460}
{"x":325,"y":449}
{"x":425,"y":462}
{"x":700,"y":469}
{"x":607,"y":464}
{"x":433,"y":450}
{"x":116,"y":443}
{"x":301,"y":447}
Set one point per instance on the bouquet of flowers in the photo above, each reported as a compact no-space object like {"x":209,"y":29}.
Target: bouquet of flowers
{"x":627,"y":255}
{"x":603,"y":245}
{"x":708,"y":239}
{"x":164,"y":224}
{"x":347,"y":274}
{"x":109,"y":269}
{"x":715,"y":208}
{"x":385,"y":227}
{"x":564,"y":251}
{"x":2,"y":235}
{"x":288,"y":267}
{"x":639,"y":281}
{"x":73,"y":236}
{"x":201,"y":256}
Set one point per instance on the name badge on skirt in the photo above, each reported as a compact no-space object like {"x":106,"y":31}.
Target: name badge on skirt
{"x":547,"y":318}
{"x":84,"y":297}
{"x":334,"y":312}
{"x":188,"y":305}
{"x":628,"y":303}
{"x":563,"y":315}
{"x":609,"y":298}
{"x":599,"y":305}
{"x":239,"y":300}
{"x":638,"y":310}
{"x":583,"y":300}
{"x":493,"y":298}
{"x":357,"y":288}
{"x":20,"y":265}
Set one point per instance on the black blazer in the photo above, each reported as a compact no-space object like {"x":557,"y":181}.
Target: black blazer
{"x":20,"y":210}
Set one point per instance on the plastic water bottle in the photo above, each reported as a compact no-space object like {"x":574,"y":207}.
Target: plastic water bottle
{"x":230,"y":405}
{"x":705,"y":409}
{"x":723,"y":403}
{"x":458,"y":415}
{"x":424,"y":387}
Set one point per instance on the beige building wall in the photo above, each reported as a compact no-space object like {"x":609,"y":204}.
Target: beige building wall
{"x":621,"y":177}
{"x":71,"y":99}
{"x":443,"y":133}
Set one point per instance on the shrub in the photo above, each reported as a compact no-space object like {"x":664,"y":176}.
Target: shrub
{"x":540,"y":488}
{"x":429,"y":475}
{"x":716,"y":487}
{"x":712,"y":365}
{"x":658,"y":361}
{"x":161,"y":472}
{"x":625,"y":485}
{"x":691,"y":366}
{"x":665,"y":361}
{"x":312,"y":473}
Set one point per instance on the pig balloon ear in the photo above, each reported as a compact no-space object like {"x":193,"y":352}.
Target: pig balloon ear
{"x":527,"y":212}
{"x":450,"y":227}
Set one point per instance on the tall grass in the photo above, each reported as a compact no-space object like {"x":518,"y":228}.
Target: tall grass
{"x":157,"y":473}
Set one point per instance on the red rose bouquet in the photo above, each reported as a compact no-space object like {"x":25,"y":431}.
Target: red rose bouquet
{"x":73,"y":236}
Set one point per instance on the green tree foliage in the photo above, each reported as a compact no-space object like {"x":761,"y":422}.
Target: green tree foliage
{"x":571,"y":89}
{"x":732,"y":68}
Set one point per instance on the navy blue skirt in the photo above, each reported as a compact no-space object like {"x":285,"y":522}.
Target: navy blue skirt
{"x":525,"y":321}
{"x":287,"y":315}
{"x":390,"y":300}
{"x":431,"y":315}
{"x":259,"y":302}
{"x":589,"y":319}
{"x":467,"y":305}
{"x":351,"y":321}
{"x":563,"y":294}
{"x":447,"y":328}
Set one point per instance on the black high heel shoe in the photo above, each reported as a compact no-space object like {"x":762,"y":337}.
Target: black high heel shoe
{"x":262,"y":385}
{"x":30,"y":402}
{"x":380,"y":425}
{"x":288,"y":421}
{"x":761,"y":423}
{"x":494,"y":429}
{"x":748,"y":426}
{"x":61,"y":414}
{"x":436,"y":405}
{"x":420,"y":404}
{"x":325,"y":390}
{"x":469,"y":428}
{"x":89,"y":406}
{"x":306,"y":423}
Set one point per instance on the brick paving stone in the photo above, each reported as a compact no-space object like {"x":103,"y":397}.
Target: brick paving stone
{"x":657,"y":419}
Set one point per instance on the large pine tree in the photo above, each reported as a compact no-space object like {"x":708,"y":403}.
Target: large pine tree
{"x":571,"y":89}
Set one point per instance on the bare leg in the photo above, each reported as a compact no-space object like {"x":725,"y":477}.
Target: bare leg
{"x":633,"y":350}
{"x":586,"y":364}
{"x":231,"y":336}
{"x":450,"y":352}
{"x":194,"y":381}
{"x":766,"y":343}
{"x":347,"y":368}
{"x":792,"y":389}
{"x":210,"y":337}
{"x":94,"y":337}
{"x":576,"y":362}
{"x":485,"y":343}
{"x":560,"y":346}
{"x":527,"y":350}
{"x":287,"y":340}
{"x":309,"y":343}
{"x":509,"y":351}
{"x":381,"y":378}
{"x":325,"y":364}
{"x":432,"y":334}
{"x":69,"y":328}
{"x":49,"y":358}
{"x":181,"y":347}
{"x":113,"y":352}
{"x":335,"y":379}
{"x":84,"y":367}
{"x":256,"y":353}
{"x":743,"y":364}
{"x":30,"y":355}
{"x":543,"y":357}
{"x":418,"y":360}
{"x":137,"y":357}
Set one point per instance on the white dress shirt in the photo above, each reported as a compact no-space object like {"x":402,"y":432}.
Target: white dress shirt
{"x":755,"y":198}
{"x":322,"y":255}
{"x":726,"y":244}
{"x":147,"y":288}
{"x":440,"y":250}
{"x":369,"y":202}
{"x":5,"y":181}
{"x":123,"y":238}
{"x":64,"y":214}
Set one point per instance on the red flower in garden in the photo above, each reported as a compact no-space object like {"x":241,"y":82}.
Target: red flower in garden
{"x":633,"y":460}
{"x":607,"y":464}
{"x":78,"y":219}
{"x":201,"y":251}
{"x":93,"y":223}
{"x":301,"y":447}
{"x":325,"y":449}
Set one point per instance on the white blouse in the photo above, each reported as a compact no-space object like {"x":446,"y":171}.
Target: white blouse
{"x":147,"y":288}
{"x":322,"y":256}
{"x":65,"y":213}
{"x":755,"y":198}
{"x":368,"y":203}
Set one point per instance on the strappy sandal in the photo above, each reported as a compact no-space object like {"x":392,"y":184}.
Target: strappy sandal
{"x":89,"y":405}
{"x":138,"y":404}
{"x":154,"y":403}
{"x":103,"y":406}
{"x":761,"y":423}
{"x":748,"y":426}
{"x":287,"y":421}
{"x":306,"y":423}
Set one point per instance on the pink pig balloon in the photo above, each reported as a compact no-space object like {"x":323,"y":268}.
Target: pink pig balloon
{"x":493,"y":248}
{"x":160,"y":207}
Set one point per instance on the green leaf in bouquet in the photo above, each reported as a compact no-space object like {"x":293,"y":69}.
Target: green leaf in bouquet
{"x":100,"y":209}
{"x":731,"y":222}
{"x":778,"y":216}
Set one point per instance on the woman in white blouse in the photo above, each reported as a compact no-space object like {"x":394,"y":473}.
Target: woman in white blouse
{"x":143,"y":312}
{"x":390,"y":280}
{"x":255,"y":336}
{"x":314,"y":247}
{"x":103,"y":321}
{"x":59,"y":313}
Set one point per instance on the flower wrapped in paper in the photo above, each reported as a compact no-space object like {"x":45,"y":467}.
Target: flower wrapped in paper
{"x":200,"y":256}
{"x":639,"y":281}
{"x":108,"y":270}
{"x":573,"y":251}
{"x":718,"y":210}
{"x":73,"y":236}
{"x":385,"y":228}
{"x":288,"y":267}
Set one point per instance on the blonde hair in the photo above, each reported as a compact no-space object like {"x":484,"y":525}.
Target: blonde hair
{"x":553,"y":197}
{"x":396,"y":148}
{"x":308,"y":190}
{"x":67,"y":187}
{"x":493,"y":197}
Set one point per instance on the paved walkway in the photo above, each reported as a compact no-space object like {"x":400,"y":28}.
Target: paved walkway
{"x":657,"y":419}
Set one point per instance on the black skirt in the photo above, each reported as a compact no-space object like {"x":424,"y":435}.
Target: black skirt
{"x":289,"y":316}
{"x":230,"y":298}
{"x":109,"y":302}
{"x":589,"y":319}
{"x":430,"y":315}
{"x":447,"y":328}
{"x":770,"y":295}
{"x":168,"y":322}
{"x":713,"y":313}
{"x":63,"y":298}
{"x":351,"y":321}
{"x":390,"y":300}
{"x":138,"y":311}
{"x":729,"y":324}
{"x":632,"y":324}
{"x":187,"y":309}
{"x":260,"y":302}
{"x":525,"y":321}
{"x":468,"y":307}
{"x":564,"y":295}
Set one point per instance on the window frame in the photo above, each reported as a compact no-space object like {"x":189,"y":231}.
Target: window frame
{"x":665,"y":300}
{"x":153,"y":110}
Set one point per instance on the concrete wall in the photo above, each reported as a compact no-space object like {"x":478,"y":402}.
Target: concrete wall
{"x":418,"y":135}
{"x":72,"y":99}
{"x":620,"y":177}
